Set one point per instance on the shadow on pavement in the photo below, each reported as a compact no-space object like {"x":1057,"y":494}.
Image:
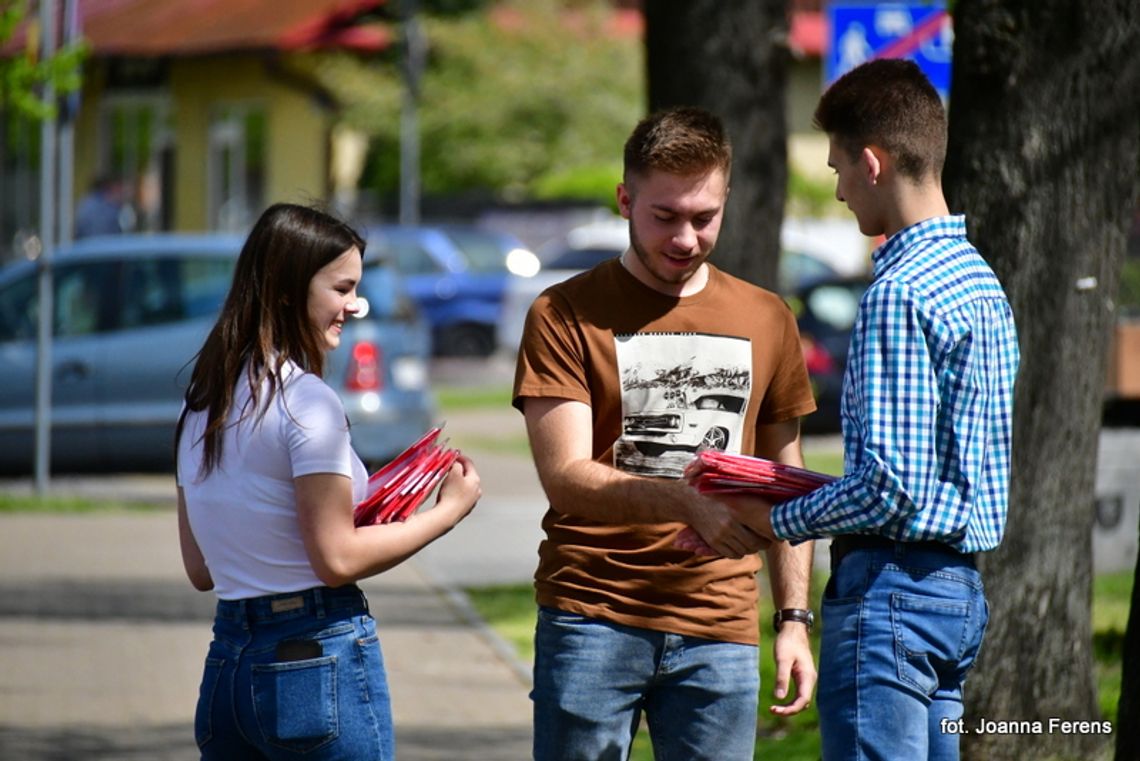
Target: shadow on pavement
{"x":153,"y":743}
{"x":175,"y":743}
{"x":133,"y":601}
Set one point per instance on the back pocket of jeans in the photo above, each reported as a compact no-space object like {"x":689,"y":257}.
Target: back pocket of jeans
{"x":929,"y":636}
{"x":295,"y":703}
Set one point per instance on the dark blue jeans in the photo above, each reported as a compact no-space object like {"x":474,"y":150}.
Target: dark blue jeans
{"x":901,"y":628}
{"x":292,"y":676}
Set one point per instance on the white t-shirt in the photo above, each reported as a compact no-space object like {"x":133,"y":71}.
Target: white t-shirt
{"x":244,"y":514}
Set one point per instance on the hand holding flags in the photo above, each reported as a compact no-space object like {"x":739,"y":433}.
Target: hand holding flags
{"x":400,"y":487}
{"x":715,"y":472}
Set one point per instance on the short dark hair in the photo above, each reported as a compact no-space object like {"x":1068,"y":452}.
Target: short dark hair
{"x":889,"y":103}
{"x":684,"y":140}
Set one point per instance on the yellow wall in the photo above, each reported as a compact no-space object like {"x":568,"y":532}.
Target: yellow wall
{"x":297,"y":139}
{"x":297,"y":130}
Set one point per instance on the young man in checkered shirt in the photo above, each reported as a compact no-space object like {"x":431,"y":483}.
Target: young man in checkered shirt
{"x":927,"y":418}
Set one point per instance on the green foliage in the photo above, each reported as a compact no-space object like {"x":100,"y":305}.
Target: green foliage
{"x":22,"y":78}
{"x":1129,"y":296}
{"x":809,"y":197}
{"x":514,"y":101}
{"x":586,"y":183}
{"x":507,"y":103}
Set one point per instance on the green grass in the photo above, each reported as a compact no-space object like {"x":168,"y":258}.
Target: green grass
{"x":510,"y":611}
{"x":823,"y":462}
{"x":1111,"y":598}
{"x":21,"y":503}
{"x":466,"y":399}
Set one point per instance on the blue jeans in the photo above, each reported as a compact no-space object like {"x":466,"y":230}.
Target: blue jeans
{"x":901,"y":628}
{"x":593,"y":678}
{"x":296,"y":675}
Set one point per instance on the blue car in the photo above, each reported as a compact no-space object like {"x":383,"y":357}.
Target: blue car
{"x":456,"y":275}
{"x":131,"y":311}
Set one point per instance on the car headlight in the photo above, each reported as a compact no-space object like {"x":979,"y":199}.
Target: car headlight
{"x":523,"y":263}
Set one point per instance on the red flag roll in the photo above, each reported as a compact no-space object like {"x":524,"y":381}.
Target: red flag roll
{"x":400,"y":487}
{"x":720,"y":473}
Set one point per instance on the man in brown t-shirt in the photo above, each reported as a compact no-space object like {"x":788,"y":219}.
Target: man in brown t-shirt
{"x":624,"y":372}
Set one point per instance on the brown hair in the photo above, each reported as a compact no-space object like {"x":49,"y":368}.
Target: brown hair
{"x":682,"y":141}
{"x":891,"y":104}
{"x":265,"y":319}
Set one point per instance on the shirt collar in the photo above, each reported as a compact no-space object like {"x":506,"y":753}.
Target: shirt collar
{"x":891,"y":252}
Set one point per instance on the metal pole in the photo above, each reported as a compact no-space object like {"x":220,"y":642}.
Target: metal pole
{"x":409,"y":117}
{"x":47,"y":236}
{"x":69,"y":112}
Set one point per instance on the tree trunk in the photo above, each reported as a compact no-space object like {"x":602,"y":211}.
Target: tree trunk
{"x":1043,"y":150}
{"x":731,"y":58}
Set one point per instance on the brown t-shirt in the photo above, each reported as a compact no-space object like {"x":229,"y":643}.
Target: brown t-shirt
{"x":663,"y":376}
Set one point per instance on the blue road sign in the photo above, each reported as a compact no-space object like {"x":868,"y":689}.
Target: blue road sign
{"x":920,"y":31}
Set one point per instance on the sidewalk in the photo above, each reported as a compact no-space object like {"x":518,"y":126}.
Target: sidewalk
{"x":102,"y":641}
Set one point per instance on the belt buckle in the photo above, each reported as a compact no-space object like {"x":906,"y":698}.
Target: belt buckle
{"x":287,"y":604}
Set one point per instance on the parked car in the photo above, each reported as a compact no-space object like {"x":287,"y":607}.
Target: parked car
{"x":457,"y":275}
{"x":590,"y":245}
{"x":825,"y":313}
{"x":130,"y":311}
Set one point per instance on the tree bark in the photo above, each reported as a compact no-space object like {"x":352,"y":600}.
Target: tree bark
{"x":1044,"y":137}
{"x":731,"y":58}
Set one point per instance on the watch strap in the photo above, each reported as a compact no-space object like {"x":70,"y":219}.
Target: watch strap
{"x":800,"y":615}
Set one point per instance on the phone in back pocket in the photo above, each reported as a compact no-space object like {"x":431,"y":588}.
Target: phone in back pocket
{"x":298,"y":650}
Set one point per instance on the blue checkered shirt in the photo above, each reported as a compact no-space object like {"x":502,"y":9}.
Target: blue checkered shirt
{"x":927,"y":401}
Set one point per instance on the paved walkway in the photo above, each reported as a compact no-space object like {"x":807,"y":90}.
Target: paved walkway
{"x":102,"y":640}
{"x":102,"y":637}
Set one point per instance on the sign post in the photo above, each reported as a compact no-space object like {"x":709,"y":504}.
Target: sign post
{"x":919,"y":31}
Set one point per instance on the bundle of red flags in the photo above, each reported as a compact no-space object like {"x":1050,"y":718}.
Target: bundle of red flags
{"x":400,"y":487}
{"x":721,"y":473}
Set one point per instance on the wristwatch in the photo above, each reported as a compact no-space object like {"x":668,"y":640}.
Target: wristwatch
{"x":800,"y":615}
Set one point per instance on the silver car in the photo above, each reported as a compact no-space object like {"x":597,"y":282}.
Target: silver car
{"x":131,"y":311}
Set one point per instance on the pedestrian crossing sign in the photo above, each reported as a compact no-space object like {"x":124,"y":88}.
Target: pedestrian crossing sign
{"x":919,"y":31}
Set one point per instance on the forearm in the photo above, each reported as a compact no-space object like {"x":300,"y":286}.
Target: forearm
{"x":369,"y":550}
{"x":789,"y":574}
{"x":598,"y":492}
{"x":341,"y":552}
{"x":561,"y":433}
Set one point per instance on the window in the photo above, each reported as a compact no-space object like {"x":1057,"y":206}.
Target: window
{"x":84,"y":303}
{"x":236,"y":168}
{"x":411,"y":258}
{"x":136,"y":143}
{"x":18,"y":312}
{"x":205,"y":283}
{"x":163,"y":290}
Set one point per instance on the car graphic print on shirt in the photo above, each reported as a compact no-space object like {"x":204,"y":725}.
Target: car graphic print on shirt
{"x":680,"y":393}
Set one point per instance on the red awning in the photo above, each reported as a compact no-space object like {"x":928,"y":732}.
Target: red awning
{"x":196,"y":27}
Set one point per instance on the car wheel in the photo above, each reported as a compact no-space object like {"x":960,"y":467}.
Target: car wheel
{"x":715,"y":438}
{"x":465,"y":341}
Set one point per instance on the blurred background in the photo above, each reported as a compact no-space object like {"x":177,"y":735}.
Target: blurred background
{"x":477,"y":145}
